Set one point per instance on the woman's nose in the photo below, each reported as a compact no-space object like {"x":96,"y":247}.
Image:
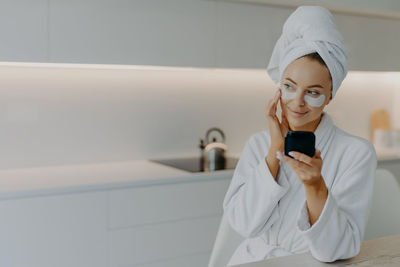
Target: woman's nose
{"x":299,"y":99}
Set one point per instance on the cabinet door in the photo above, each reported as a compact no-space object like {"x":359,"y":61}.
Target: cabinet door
{"x":163,"y":242}
{"x":165,"y":225}
{"x":149,"y":32}
{"x":63,"y":230}
{"x":246,"y":34}
{"x":371,"y":43}
{"x":138,"y":206}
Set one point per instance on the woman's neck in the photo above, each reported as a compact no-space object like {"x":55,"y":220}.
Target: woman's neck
{"x":309,"y":127}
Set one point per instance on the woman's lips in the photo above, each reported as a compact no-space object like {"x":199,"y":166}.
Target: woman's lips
{"x":297,"y":114}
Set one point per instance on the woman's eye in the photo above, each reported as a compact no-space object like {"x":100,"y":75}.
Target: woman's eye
{"x":288,"y":87}
{"x":313,"y":93}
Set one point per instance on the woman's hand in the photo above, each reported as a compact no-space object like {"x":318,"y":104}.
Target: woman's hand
{"x":308,"y":169}
{"x":277,"y":129}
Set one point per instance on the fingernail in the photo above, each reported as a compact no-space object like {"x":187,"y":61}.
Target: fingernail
{"x":291,"y":153}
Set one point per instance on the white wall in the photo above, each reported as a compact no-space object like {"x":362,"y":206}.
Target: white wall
{"x":58,"y":115}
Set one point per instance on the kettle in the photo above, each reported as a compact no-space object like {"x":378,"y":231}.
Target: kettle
{"x":213,"y":153}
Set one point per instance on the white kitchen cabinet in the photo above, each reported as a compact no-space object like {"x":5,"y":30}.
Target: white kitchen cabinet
{"x":23,"y":30}
{"x":164,"y":203}
{"x":193,"y":33}
{"x":246,"y":34}
{"x":372,"y":43}
{"x":165,"y":225}
{"x":160,"y":242}
{"x":60,"y":230}
{"x":111,"y":214}
{"x":150,"y":32}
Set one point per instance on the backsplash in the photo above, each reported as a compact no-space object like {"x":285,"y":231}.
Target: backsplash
{"x":65,"y":114}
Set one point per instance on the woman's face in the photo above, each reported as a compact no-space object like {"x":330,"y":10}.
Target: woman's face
{"x":306,"y":90}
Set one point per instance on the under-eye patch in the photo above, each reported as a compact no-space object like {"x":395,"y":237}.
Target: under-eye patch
{"x":290,"y":94}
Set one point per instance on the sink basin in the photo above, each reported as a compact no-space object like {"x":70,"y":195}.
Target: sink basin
{"x":193,"y":164}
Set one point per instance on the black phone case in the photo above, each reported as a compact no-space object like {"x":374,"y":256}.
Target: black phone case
{"x":300,"y":141}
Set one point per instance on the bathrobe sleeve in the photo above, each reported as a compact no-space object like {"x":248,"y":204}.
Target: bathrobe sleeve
{"x":339,"y":230}
{"x":251,"y":200}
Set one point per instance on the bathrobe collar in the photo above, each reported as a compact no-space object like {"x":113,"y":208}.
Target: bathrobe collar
{"x":323,"y":136}
{"x":324,"y":131}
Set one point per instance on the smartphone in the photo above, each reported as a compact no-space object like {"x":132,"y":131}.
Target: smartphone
{"x":300,"y":141}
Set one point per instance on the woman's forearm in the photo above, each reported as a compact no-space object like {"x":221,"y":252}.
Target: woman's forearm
{"x":316,"y":195}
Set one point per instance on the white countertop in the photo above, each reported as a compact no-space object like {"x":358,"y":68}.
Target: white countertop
{"x":37,"y":181}
{"x":28,"y":182}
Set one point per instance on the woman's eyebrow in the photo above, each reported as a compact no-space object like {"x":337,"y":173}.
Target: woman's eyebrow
{"x":311,"y":86}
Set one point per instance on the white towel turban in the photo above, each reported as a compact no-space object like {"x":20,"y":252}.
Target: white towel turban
{"x":310,"y":29}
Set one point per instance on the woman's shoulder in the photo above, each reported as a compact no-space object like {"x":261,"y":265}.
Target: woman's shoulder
{"x":352,"y":155}
{"x":352,"y":143}
{"x":260,"y":137}
{"x":263,"y":135}
{"x":258,"y":143}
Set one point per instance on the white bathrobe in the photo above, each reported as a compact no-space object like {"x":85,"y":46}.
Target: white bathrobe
{"x":272,"y":215}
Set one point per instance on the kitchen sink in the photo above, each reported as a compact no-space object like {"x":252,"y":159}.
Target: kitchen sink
{"x":194,"y":164}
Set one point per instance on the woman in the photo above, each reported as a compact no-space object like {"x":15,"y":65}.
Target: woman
{"x":284,"y":205}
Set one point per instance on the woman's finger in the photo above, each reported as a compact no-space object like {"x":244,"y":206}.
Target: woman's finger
{"x":277,"y":95}
{"x":297,"y":165}
{"x":284,"y":124}
{"x":280,"y":101}
{"x":284,"y":120}
{"x":317,"y":154}
{"x":269,"y":110}
{"x":276,"y":99}
{"x":301,"y":157}
{"x":271,"y":107}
